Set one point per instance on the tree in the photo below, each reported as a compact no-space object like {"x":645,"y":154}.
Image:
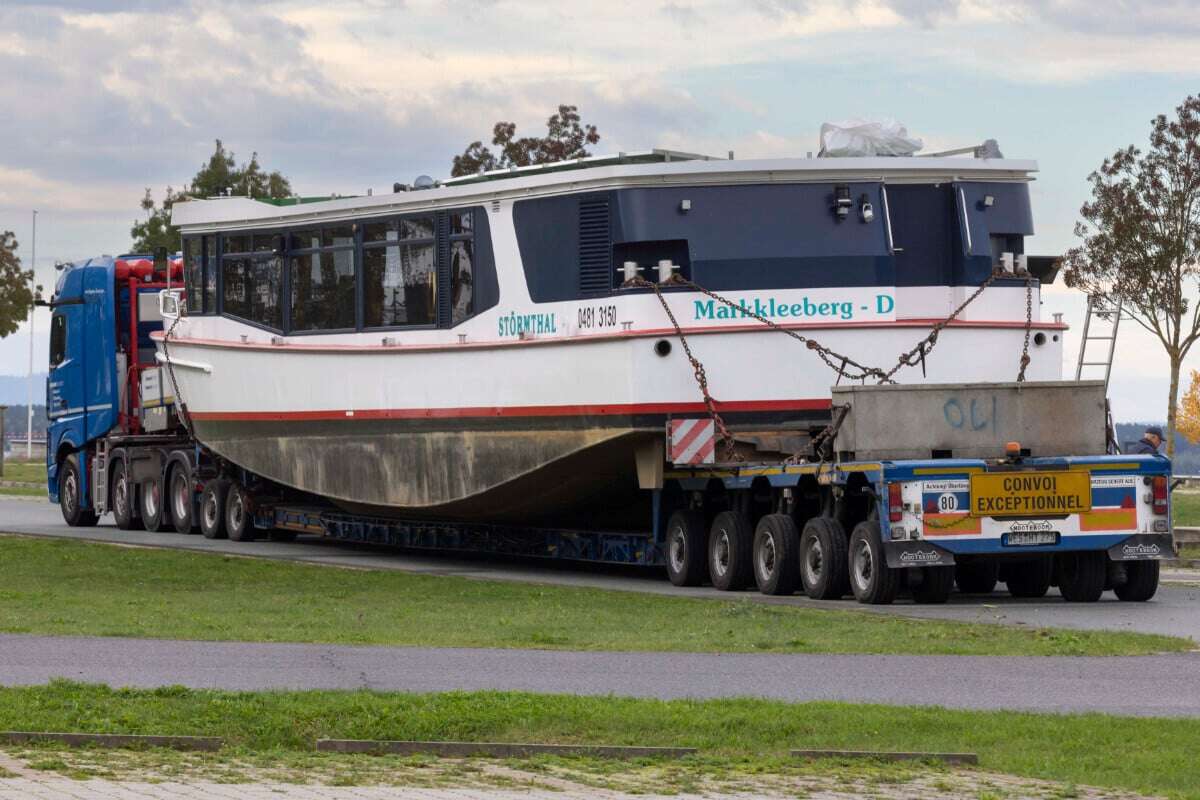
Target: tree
{"x":219,"y":176}
{"x":16,"y":290}
{"x":565,"y":138}
{"x":1141,"y":238}
{"x":1189,"y":410}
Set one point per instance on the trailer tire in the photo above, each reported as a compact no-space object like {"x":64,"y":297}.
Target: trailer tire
{"x":182,"y":501}
{"x":154,"y":512}
{"x":239,"y":521}
{"x":871,"y":579}
{"x":1030,"y":580}
{"x":824,"y":559}
{"x":124,"y":496}
{"x":776,"y":555}
{"x":1081,"y":576}
{"x":1141,"y":581}
{"x":935,"y":586}
{"x":212,"y":509}
{"x":977,"y":577}
{"x":730,"y":552}
{"x":70,"y":495}
{"x":686,"y":548}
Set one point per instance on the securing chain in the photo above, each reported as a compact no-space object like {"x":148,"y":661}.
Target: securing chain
{"x":1028,"y":325}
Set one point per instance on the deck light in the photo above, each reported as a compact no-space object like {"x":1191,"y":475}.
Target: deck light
{"x":864,"y":208}
{"x":988,"y":201}
{"x":841,"y":201}
{"x":685,"y":206}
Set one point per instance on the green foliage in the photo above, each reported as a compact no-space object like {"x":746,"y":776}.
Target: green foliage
{"x":16,"y":290}
{"x":565,"y":139}
{"x":76,"y":588}
{"x":1141,"y":237}
{"x":1136,"y":754}
{"x":219,"y":176}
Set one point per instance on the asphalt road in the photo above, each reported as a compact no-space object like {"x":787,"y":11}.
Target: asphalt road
{"x":1175,"y":610}
{"x":1167,"y":685}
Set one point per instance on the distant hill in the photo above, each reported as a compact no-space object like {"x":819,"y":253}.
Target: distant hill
{"x":13,"y":389}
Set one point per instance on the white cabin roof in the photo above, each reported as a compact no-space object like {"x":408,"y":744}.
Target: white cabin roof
{"x":232,"y":213}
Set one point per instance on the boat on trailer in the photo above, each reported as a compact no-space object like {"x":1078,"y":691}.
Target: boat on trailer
{"x":498,"y":347}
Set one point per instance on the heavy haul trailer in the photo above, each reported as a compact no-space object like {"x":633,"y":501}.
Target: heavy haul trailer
{"x":919,"y":490}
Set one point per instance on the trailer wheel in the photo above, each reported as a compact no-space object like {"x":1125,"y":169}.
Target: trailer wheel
{"x":730,"y":542}
{"x":1081,"y":576}
{"x":935,"y":585}
{"x":777,"y":555}
{"x":154,"y":514}
{"x":212,"y":509}
{"x":824,"y":560}
{"x":871,"y":579}
{"x":1031,"y":579}
{"x":1141,"y":582}
{"x":686,"y":548}
{"x":124,"y":496}
{"x":239,"y":522}
{"x":977,"y":577}
{"x":70,"y":495}
{"x":181,"y":499}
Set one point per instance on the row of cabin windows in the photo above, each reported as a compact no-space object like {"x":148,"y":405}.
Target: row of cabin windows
{"x":314,"y":274}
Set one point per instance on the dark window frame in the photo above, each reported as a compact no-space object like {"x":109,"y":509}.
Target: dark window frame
{"x":58,"y":329}
{"x":251,"y":256}
{"x":380,"y":245}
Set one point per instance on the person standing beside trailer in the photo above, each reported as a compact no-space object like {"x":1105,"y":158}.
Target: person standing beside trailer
{"x":1151,"y":440}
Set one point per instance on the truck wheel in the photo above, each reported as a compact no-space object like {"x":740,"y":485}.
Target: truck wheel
{"x":686,"y":548}
{"x":239,"y":522}
{"x":935,"y":585}
{"x":1031,"y":579}
{"x":154,"y":514}
{"x":871,"y":579}
{"x":1141,"y":581}
{"x":824,"y":568}
{"x":1081,"y":576}
{"x":212,"y":509}
{"x":730,"y":542}
{"x":70,"y":495}
{"x":182,"y":500}
{"x":776,"y":555}
{"x":977,"y":577}
{"x":124,"y":495}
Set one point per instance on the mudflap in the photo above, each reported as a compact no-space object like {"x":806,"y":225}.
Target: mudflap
{"x":916,"y":553}
{"x":1143,"y":547}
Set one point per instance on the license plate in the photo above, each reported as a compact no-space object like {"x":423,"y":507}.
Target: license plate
{"x":1030,"y":494}
{"x":1027,"y":538}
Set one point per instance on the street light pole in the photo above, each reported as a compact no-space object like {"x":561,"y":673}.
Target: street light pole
{"x":32,"y":315}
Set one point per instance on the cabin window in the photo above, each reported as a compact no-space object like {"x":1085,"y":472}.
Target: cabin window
{"x":400,"y":273}
{"x":322,"y":279}
{"x":252,"y":279}
{"x":58,"y":340}
{"x":193,"y":266}
{"x":211,"y":262}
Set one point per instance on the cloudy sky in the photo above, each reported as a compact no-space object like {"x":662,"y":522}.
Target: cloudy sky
{"x":102,"y":99}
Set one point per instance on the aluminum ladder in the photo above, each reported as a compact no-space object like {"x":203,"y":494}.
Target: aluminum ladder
{"x":100,"y":477}
{"x":1108,"y":320}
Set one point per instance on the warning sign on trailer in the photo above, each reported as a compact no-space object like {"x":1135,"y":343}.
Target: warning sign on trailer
{"x":692,"y":441}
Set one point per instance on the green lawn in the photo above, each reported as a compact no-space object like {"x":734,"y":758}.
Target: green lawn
{"x":1185,"y":507}
{"x":27,"y":471}
{"x":64,"y":587}
{"x":23,"y":491}
{"x":1137,"y":754}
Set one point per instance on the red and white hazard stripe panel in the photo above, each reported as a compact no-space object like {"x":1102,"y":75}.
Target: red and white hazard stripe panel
{"x":692,"y":441}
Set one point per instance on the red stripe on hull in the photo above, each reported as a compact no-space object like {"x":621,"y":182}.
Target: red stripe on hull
{"x":515,"y":411}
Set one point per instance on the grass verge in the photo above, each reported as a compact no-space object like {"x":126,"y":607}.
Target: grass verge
{"x":1185,"y":508}
{"x":1093,"y":749}
{"x":24,"y":471}
{"x":23,"y":491}
{"x":75,"y":588}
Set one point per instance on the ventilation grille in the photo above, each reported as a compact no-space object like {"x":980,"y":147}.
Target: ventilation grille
{"x":595,"y":248}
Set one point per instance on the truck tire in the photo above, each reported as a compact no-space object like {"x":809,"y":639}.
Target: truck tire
{"x":124,"y":497}
{"x":776,"y":555}
{"x":182,"y":500}
{"x":154,"y":512}
{"x":70,"y":495}
{"x":824,"y":560}
{"x":686,"y":548}
{"x":239,"y":520}
{"x":935,"y":586}
{"x":871,"y":579}
{"x":212,"y":509}
{"x":1081,"y":576}
{"x":1141,"y":581}
{"x":730,"y":545}
{"x":1031,"y":579}
{"x":977,"y":577}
